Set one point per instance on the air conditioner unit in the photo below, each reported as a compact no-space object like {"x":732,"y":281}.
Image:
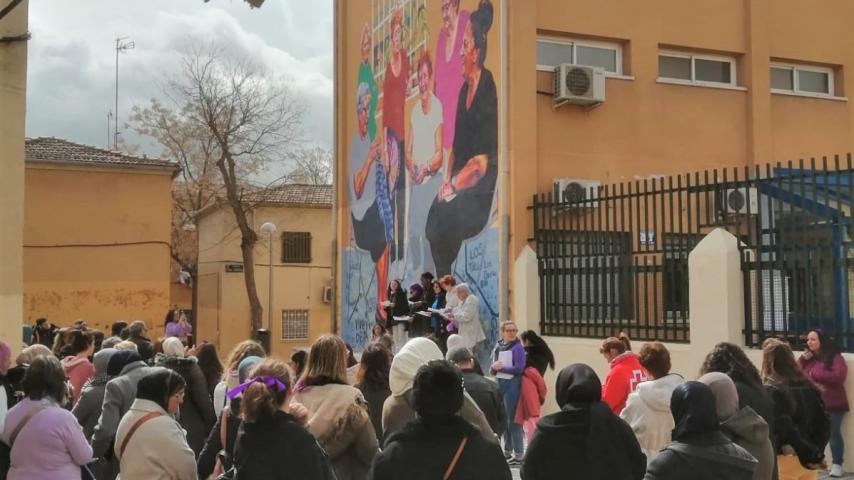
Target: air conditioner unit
{"x":572,"y":193}
{"x":327,"y":295}
{"x":579,"y":85}
{"x":739,"y":201}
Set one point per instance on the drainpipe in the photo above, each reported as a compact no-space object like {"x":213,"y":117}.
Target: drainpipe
{"x":333,"y":321}
{"x":504,"y":260}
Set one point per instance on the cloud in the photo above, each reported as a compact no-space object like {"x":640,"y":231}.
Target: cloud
{"x":71,"y":68}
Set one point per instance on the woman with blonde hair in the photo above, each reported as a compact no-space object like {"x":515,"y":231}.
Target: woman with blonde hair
{"x":268,"y":423}
{"x":337,"y":412}
{"x":244,"y":349}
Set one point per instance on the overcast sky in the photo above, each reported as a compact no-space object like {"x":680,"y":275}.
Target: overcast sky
{"x":72,"y":57}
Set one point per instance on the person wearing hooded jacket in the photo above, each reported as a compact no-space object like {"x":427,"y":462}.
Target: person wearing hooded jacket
{"x":742,"y":425}
{"x":648,"y":407}
{"x":88,"y":406}
{"x":438,"y":395}
{"x":584,"y":439}
{"x":196,"y":415}
{"x":399,"y":407}
{"x":699,"y":450}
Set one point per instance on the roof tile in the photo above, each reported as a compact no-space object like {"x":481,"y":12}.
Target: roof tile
{"x":50,"y":149}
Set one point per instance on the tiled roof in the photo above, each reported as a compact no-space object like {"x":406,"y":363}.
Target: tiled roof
{"x":50,"y":149}
{"x":295,"y":194}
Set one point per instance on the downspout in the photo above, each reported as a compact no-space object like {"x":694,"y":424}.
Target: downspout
{"x":333,"y":321}
{"x":504,"y":260}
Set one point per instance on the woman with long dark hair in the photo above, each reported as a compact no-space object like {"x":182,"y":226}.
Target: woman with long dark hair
{"x":372,"y":379}
{"x":464,"y":202}
{"x":209,"y":363}
{"x":800,"y":423}
{"x":823,"y":364}
{"x":539,"y":354}
{"x":397,"y":306}
{"x":268,"y":424}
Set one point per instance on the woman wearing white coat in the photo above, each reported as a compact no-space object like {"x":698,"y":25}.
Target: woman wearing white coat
{"x":150,"y":444}
{"x":648,"y":407}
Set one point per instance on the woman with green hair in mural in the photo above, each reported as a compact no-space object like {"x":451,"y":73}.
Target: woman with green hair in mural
{"x":464,"y":202}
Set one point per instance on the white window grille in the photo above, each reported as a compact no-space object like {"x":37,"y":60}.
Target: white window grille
{"x":295,"y":324}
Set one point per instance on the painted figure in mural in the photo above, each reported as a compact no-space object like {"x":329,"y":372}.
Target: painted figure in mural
{"x":368,"y":225}
{"x":366,"y":76}
{"x":395,"y":89}
{"x":449,"y":70}
{"x":424,"y":161}
{"x":462,"y":207}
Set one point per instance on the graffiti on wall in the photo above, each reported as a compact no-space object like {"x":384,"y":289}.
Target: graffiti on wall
{"x":423,"y":158}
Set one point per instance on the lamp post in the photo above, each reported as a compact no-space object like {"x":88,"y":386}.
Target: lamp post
{"x":269,"y":228}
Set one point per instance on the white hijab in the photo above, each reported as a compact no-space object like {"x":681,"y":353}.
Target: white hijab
{"x":416,"y":352}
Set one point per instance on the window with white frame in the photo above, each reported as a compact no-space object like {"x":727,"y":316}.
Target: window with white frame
{"x":551,"y":52}
{"x":696,"y":68}
{"x":802,"y":79}
{"x":294,"y":324}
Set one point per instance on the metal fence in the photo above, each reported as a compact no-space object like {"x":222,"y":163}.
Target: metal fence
{"x":615,"y":257}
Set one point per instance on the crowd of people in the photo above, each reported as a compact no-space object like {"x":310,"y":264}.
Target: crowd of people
{"x":126,"y":407}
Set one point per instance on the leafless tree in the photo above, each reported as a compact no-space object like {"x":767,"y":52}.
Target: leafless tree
{"x":312,"y":166}
{"x":227,"y":119}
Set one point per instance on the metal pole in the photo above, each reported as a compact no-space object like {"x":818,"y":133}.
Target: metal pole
{"x":116,"y":119}
{"x":270,"y":292}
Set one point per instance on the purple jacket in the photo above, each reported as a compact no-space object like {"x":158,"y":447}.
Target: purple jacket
{"x":51,"y":444}
{"x":831,"y":382}
{"x":518,"y":350}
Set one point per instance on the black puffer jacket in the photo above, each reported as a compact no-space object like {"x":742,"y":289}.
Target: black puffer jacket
{"x":585,"y":439}
{"x":485,"y":394}
{"x":197,"y":414}
{"x":278,"y":448}
{"x":800,"y":420}
{"x":423,"y":451}
{"x":699,"y":450}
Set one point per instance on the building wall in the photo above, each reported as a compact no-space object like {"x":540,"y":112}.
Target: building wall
{"x":223,"y":304}
{"x":96,"y":245}
{"x":13,"y":96}
{"x":646,"y":128}
{"x":369,"y":259}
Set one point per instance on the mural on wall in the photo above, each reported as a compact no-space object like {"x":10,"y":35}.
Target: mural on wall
{"x":423,"y":160}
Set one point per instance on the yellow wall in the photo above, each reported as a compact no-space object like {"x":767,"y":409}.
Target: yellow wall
{"x":96,"y":245}
{"x":223,"y":306}
{"x":13,"y":96}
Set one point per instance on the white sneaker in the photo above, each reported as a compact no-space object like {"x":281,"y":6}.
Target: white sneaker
{"x":835,"y":470}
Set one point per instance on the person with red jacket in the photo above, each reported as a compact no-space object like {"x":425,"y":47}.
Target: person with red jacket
{"x":625,"y":374}
{"x":532,"y":395}
{"x":824,"y":365}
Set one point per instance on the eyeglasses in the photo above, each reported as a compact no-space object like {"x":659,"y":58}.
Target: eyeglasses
{"x":511,"y":330}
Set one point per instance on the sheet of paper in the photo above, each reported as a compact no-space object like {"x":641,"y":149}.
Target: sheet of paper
{"x":438,"y":311}
{"x":506,"y":359}
{"x":402,"y":318}
{"x":424,"y":313}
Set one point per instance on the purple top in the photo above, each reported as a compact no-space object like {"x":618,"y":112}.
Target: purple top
{"x":831,"y":382}
{"x":51,"y":444}
{"x":448,"y":78}
{"x":175,"y":329}
{"x":518,"y":350}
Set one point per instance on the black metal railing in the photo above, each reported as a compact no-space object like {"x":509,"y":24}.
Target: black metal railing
{"x":615,"y":257}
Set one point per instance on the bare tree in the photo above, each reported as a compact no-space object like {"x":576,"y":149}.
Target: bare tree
{"x":230,"y":116}
{"x":312,"y":166}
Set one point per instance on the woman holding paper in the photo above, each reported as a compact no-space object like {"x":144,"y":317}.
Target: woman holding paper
{"x":397,"y":306}
{"x":508,"y":359}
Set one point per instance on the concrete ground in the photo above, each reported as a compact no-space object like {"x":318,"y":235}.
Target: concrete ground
{"x":821,"y":475}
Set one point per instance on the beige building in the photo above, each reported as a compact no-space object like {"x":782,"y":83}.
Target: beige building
{"x":97,"y":229}
{"x":13,"y":97}
{"x":302,"y":268}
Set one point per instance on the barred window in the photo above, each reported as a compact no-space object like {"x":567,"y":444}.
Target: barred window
{"x":294,"y":324}
{"x":296,"y":247}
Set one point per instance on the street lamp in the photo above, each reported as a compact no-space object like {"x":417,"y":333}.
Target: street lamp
{"x":269,"y":228}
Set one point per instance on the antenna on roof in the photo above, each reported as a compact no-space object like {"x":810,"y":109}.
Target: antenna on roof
{"x":121,"y":46}
{"x":109,"y":120}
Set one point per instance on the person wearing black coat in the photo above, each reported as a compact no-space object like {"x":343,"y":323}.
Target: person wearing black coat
{"x":272,"y":444}
{"x":699,"y":450}
{"x":537,"y":351}
{"x":585,"y":439}
{"x":425,"y":449}
{"x":483,"y":391}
